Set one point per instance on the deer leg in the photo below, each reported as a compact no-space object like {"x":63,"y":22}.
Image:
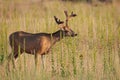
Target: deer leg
{"x":12,"y":58}
{"x":42,"y":61}
{"x":8,"y":62}
{"x":36,"y":60}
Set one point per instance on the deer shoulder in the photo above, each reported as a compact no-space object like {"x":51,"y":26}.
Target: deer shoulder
{"x":44,"y":45}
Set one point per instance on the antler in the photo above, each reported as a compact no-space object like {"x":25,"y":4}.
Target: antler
{"x":69,"y":16}
{"x":58,"y":20}
{"x":72,"y":14}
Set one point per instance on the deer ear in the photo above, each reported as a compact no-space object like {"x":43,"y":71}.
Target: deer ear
{"x":59,"y":22}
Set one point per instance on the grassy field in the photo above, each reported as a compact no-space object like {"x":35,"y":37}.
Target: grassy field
{"x":93,"y":55}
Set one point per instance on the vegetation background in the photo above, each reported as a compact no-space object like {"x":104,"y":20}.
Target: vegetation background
{"x":93,"y":55}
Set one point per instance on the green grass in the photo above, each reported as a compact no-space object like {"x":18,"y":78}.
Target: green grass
{"x":93,"y":54}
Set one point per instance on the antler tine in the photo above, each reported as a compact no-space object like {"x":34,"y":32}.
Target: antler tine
{"x":58,"y":20}
{"x":69,"y":16}
{"x":72,"y":14}
{"x":66,"y":14}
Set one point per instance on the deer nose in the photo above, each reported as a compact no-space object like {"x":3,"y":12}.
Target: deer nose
{"x":76,"y":34}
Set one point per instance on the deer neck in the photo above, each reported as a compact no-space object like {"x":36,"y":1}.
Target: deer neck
{"x":58,"y":35}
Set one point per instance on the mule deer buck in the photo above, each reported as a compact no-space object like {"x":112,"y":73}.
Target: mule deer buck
{"x":39,"y":43}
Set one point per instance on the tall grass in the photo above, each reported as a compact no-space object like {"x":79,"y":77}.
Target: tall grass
{"x":93,"y":54}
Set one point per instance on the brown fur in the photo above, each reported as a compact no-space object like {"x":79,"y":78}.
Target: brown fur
{"x":39,"y":43}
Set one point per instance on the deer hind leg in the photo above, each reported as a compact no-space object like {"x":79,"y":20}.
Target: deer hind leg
{"x":8,"y":61}
{"x":12,"y":57}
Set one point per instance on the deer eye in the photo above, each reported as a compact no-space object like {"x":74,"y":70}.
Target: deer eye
{"x":66,"y":31}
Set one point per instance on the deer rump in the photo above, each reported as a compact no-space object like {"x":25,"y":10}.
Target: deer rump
{"x":30,"y":43}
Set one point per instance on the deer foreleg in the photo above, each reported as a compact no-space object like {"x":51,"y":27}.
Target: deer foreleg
{"x":36,"y":61}
{"x":42,"y":61}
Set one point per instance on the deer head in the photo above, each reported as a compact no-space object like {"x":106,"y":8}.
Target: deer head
{"x":64,"y":27}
